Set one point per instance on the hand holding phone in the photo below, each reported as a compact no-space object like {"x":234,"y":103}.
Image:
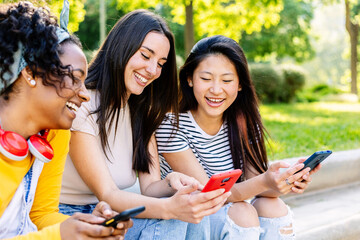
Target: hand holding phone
{"x":315,"y":159}
{"x":123,"y":216}
{"x":222,"y":180}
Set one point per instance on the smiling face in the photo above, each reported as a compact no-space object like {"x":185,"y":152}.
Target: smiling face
{"x":215,"y":84}
{"x":57,"y":109}
{"x":146,"y":64}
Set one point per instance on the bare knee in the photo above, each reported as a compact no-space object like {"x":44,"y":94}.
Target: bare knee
{"x":270,"y":207}
{"x":244,"y":214}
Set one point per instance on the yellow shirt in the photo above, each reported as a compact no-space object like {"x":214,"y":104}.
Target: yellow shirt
{"x":44,"y":212}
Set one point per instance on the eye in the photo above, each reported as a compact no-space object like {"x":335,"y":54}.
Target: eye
{"x":160,"y":65}
{"x":205,"y":79}
{"x":144,"y":56}
{"x":227,"y":81}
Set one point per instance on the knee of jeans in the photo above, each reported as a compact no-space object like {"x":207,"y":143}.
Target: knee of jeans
{"x":270,"y":207}
{"x":243,"y":214}
{"x":279,"y":226}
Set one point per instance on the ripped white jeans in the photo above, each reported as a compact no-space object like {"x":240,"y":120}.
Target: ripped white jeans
{"x":223,"y":227}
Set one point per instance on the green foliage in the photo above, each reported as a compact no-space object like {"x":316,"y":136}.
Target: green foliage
{"x":300,"y":129}
{"x":77,"y":11}
{"x":89,"y":28}
{"x":288,"y":38}
{"x":277,"y":84}
{"x":229,"y":18}
{"x":316,"y":93}
{"x":267,"y":82}
{"x":294,"y":80}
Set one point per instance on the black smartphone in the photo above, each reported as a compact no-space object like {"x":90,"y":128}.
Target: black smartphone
{"x":315,"y":159}
{"x":125,"y":215}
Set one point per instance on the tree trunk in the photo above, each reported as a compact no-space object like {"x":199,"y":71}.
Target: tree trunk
{"x":353,"y":30}
{"x":102,"y":20}
{"x":189,"y":28}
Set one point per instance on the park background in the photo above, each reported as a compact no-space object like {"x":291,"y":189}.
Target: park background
{"x":303,"y":57}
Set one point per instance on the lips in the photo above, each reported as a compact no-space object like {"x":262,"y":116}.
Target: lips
{"x":141,"y":79}
{"x":214,"y":102}
{"x":72,"y":107}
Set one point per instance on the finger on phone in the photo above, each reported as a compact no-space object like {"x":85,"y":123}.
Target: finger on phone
{"x":89,"y":218}
{"x":93,"y":230}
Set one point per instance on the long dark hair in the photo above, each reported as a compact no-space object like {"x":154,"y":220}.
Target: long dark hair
{"x":20,"y":22}
{"x":106,"y":74}
{"x":246,"y":131}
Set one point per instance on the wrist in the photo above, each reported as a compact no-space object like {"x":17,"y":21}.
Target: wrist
{"x":165,"y":208}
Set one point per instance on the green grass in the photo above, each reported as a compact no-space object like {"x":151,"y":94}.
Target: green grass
{"x":303,"y":128}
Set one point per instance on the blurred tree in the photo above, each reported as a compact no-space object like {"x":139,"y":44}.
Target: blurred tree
{"x":288,"y":38}
{"x":352,"y":24}
{"x":203,"y":18}
{"x":77,"y":11}
{"x":89,"y":29}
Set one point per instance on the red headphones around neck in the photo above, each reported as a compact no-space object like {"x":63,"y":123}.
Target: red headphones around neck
{"x":15,"y":147}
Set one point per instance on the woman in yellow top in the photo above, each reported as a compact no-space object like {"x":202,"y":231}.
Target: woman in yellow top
{"x":41,"y":87}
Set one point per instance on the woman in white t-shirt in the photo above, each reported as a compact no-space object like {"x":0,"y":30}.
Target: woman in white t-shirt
{"x":220,"y":129}
{"x":132,"y":83}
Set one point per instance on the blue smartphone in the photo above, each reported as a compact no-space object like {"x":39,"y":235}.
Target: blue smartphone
{"x":315,"y":159}
{"x":123,"y":216}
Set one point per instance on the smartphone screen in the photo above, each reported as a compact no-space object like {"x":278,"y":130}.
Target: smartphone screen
{"x":315,"y":159}
{"x":125,"y":215}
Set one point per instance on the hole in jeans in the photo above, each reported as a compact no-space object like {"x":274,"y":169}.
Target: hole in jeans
{"x":287,"y":230}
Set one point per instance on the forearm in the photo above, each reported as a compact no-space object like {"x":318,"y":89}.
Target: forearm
{"x":158,"y":189}
{"x":248,"y":189}
{"x":269,"y":193}
{"x":121,"y":200}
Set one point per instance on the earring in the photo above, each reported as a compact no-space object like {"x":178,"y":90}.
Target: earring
{"x":190,"y":84}
{"x":32,"y":82}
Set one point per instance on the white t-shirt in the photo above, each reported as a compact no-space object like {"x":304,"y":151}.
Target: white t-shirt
{"x":212,"y":151}
{"x":74,"y":190}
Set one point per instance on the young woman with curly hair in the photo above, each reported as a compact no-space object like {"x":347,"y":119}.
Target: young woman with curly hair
{"x":42,"y":74}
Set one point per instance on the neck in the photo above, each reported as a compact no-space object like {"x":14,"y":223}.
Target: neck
{"x":210,"y":125}
{"x":15,"y":119}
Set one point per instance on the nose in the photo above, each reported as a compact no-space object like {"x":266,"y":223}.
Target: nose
{"x":216,"y":87}
{"x":151,"y":68}
{"x":84,"y":94}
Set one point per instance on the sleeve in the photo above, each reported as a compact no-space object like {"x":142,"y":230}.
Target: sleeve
{"x":51,"y":232}
{"x":45,"y":209}
{"x":85,"y":121}
{"x":171,"y":138}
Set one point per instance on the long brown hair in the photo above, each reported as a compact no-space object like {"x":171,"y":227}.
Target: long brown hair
{"x":106,"y":74}
{"x":246,"y":131}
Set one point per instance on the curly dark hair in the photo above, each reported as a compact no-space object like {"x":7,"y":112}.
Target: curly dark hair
{"x":35,"y":28}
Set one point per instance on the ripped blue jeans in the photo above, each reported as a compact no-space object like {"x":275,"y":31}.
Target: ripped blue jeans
{"x":269,"y":228}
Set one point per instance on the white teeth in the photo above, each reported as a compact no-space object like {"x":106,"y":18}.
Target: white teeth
{"x":217,"y":100}
{"x":142,"y":79}
{"x":72,"y":106}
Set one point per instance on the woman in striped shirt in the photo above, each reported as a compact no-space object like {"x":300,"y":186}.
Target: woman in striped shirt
{"x":220,"y":129}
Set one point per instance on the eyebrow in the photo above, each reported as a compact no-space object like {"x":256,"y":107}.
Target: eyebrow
{"x":221,"y":74}
{"x":79,"y":70}
{"x":152,"y":51}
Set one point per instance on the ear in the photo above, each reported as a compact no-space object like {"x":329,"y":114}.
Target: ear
{"x":27,"y":75}
{"x":190,"y":82}
{"x":240,"y":88}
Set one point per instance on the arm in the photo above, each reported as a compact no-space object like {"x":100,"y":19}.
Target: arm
{"x":151,"y":183}
{"x":270,"y":184}
{"x":44,"y":211}
{"x":87,"y":158}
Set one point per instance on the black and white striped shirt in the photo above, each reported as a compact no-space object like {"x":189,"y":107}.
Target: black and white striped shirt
{"x":212,"y":151}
